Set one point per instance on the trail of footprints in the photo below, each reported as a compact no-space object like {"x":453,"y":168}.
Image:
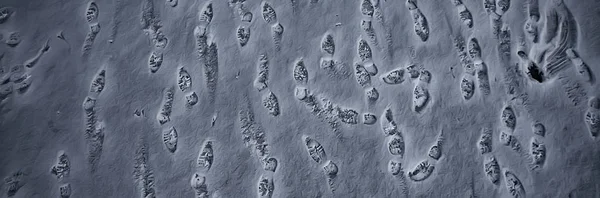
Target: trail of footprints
{"x":475,"y":73}
{"x":371,"y":10}
{"x":463,"y":13}
{"x":61,"y":169}
{"x":203,"y":163}
{"x":267,"y":13}
{"x":396,"y":147}
{"x":277,"y":29}
{"x":269,"y":99}
{"x":536,"y":156}
{"x":207,"y":50}
{"x":243,"y":12}
{"x":508,"y":120}
{"x":91,"y":16}
{"x":254,"y":137}
{"x":18,"y":78}
{"x":367,"y":9}
{"x":151,"y":25}
{"x":143,"y":174}
{"x":243,"y":31}
{"x":329,"y":61}
{"x":94,"y":127}
{"x":14,"y":181}
{"x":425,"y":168}
{"x":184,"y":82}
{"x":421,"y":171}
{"x":253,"y":133}
{"x":319,"y":104}
{"x":317,"y":153}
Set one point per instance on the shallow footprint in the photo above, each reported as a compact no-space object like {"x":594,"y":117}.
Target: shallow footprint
{"x":412,"y":71}
{"x":328,"y":44}
{"x":483,"y":82}
{"x":592,"y":121}
{"x":265,"y":186}
{"x":537,"y":152}
{"x":366,"y":8}
{"x":155,"y":61}
{"x":65,"y":190}
{"x":164,"y":113}
{"x":539,"y":129}
{"x":369,"y":118}
{"x":394,"y":77}
{"x":170,"y":139}
{"x":371,"y":94}
{"x":331,"y":170}
{"x":206,"y":156}
{"x":422,"y":171}
{"x":271,"y":103}
{"x":363,"y":78}
{"x":508,"y":118}
{"x":420,"y":97}
{"x":435,"y":151}
{"x":268,"y":13}
{"x":191,"y":99}
{"x":465,"y":15}
{"x":98,"y":82}
{"x":347,"y":115}
{"x":262,"y":70}
{"x":421,"y":26}
{"x":5,"y":91}
{"x":198,"y":184}
{"x":395,"y":167}
{"x":62,"y":168}
{"x":243,"y":35}
{"x":300,"y":73}
{"x":14,"y":182}
{"x":13,"y":39}
{"x":23,"y":84}
{"x":277,"y":35}
{"x":91,"y":13}
{"x":491,"y":169}
{"x":396,"y":145}
{"x":485,"y":141}
{"x":364,"y":50}
{"x":206,"y":13}
{"x":315,"y":149}
{"x":388,"y":125}
{"x":467,"y":87}
{"x":6,"y":13}
{"x":367,"y":27}
{"x":270,"y":164}
{"x":513,"y":184}
{"x":184,"y":79}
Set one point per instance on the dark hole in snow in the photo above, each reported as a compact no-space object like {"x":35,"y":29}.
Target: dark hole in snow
{"x":535,"y":73}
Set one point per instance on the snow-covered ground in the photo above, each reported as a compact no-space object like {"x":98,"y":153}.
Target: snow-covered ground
{"x":299,"y":98}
